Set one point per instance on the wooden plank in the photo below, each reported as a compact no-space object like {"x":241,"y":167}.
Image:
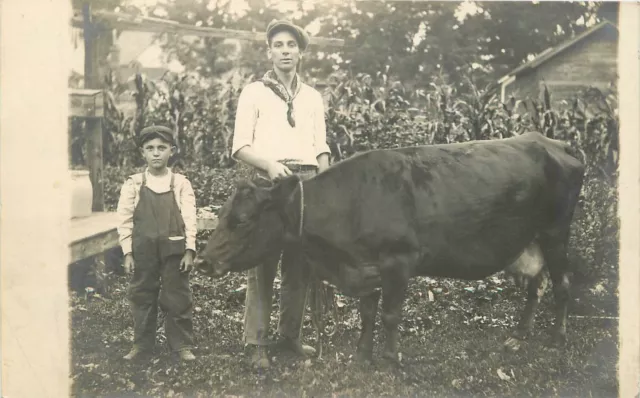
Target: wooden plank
{"x":86,"y":103}
{"x":125,"y":22}
{"x":574,"y":83}
{"x":93,"y":245}
{"x":84,"y":92}
{"x":205,"y":224}
{"x":103,"y":222}
{"x":96,"y":224}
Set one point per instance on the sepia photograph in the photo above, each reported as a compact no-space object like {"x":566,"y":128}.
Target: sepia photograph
{"x":322,"y":198}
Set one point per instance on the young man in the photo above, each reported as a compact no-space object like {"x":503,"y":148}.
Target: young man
{"x":279,"y":130}
{"x":158,"y":238}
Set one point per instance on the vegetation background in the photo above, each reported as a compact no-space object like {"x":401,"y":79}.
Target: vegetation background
{"x":412,"y":73}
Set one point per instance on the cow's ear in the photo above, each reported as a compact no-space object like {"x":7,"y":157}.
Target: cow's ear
{"x":284,"y":187}
{"x":243,"y":185}
{"x":262,"y":194}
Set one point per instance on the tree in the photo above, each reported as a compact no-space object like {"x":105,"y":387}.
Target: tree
{"x":506,"y":34}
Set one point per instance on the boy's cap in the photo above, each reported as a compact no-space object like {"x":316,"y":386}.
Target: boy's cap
{"x":276,"y":26}
{"x":152,"y":132}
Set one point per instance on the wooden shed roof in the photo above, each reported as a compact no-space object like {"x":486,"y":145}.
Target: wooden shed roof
{"x":554,"y":51}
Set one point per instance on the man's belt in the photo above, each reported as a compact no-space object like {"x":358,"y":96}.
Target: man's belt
{"x":300,"y":168}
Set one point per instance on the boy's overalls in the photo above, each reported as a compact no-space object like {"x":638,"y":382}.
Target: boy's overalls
{"x":158,"y":244}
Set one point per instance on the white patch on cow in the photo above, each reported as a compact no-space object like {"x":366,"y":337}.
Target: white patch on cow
{"x":530,"y":262}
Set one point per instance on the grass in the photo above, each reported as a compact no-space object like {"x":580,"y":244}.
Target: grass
{"x":451,"y":346}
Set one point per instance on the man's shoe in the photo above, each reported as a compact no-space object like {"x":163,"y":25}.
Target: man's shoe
{"x":259,"y":357}
{"x":137,"y":353}
{"x":295,"y":346}
{"x":186,"y":355}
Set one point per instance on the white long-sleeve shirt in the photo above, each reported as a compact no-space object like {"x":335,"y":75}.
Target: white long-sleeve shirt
{"x":130,"y":194}
{"x":261,"y":122}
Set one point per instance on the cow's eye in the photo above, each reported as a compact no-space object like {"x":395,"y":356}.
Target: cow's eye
{"x":238,"y":220}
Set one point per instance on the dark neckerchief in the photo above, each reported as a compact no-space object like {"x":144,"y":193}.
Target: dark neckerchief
{"x":270,"y":80}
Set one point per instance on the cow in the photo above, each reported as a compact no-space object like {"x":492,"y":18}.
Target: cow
{"x":370,"y":223}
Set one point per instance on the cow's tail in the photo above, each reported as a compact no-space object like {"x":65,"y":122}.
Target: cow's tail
{"x":567,"y":147}
{"x":572,"y":151}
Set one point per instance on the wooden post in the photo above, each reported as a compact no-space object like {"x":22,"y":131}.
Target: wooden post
{"x":90,"y":49}
{"x":94,"y":125}
{"x":94,"y":134}
{"x":94,"y":149}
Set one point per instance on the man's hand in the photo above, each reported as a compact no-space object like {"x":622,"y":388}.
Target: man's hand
{"x":186,"y":264}
{"x":323,"y":162}
{"x":277,"y":170}
{"x":129,"y":264}
{"x":273,"y":169}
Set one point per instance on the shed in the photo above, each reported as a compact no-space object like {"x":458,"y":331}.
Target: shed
{"x":586,"y":60}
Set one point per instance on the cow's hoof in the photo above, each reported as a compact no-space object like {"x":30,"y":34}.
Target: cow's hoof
{"x":393,"y":358}
{"x":521,"y":333}
{"x":260,"y":358}
{"x":364,"y":357}
{"x":558,"y":340}
{"x":512,"y":344}
{"x":261,"y":364}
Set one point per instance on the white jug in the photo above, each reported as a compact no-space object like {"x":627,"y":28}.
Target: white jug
{"x":81,"y":193}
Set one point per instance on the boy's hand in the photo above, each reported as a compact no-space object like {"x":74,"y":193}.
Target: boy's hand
{"x":186,"y":264}
{"x":129,"y":264}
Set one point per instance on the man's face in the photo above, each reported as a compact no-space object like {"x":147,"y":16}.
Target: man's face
{"x":284,"y":51}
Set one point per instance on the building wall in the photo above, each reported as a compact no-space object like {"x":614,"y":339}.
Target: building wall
{"x":592,"y":62}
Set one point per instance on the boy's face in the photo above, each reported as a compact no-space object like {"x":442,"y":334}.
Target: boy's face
{"x":156,"y":153}
{"x":284,"y":51}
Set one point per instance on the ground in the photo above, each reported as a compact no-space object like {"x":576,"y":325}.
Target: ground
{"x":452,"y":338}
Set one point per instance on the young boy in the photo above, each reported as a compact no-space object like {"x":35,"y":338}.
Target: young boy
{"x":157,"y":234}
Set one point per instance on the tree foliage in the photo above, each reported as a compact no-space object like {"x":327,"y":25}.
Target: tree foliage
{"x":412,"y":41}
{"x":510,"y":32}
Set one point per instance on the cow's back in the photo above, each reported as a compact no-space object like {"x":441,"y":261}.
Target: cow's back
{"x":467,"y":208}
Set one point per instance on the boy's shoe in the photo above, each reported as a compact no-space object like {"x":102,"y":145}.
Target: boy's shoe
{"x":186,"y":355}
{"x":295,"y":346}
{"x":137,"y":353}
{"x":259,"y":357}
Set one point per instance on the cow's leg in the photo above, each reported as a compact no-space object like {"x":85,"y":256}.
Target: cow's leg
{"x":555,"y":252}
{"x":535,"y":290}
{"x":395,"y":280}
{"x":391,"y":316}
{"x":368,"y":312}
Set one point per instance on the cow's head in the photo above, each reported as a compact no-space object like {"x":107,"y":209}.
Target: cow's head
{"x":251,"y":227}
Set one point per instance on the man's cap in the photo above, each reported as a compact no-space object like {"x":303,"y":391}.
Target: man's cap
{"x":276,"y":26}
{"x":151,"y":132}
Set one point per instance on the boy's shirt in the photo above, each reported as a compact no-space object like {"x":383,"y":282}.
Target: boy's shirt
{"x":130,"y":194}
